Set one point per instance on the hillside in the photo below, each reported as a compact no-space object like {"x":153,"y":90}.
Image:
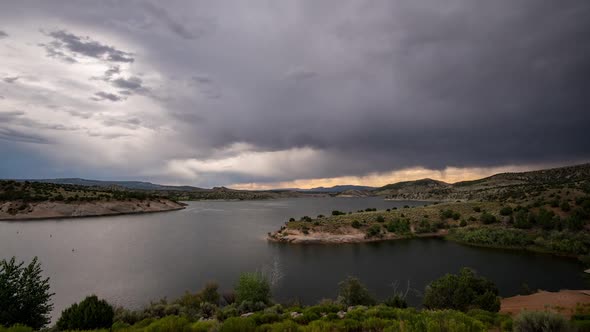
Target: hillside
{"x":546,"y":210}
{"x":36,"y":200}
{"x":503,"y":186}
{"x":178,"y":193}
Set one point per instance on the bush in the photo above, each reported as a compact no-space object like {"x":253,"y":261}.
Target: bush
{"x":90,"y":314}
{"x":169,"y":324}
{"x":338,"y":213}
{"x":456,"y":215}
{"x":565,"y":206}
{"x":253,"y":287}
{"x":446,"y":214}
{"x":352,"y":292}
{"x":425,"y":227}
{"x":229,"y":297}
{"x":373,"y":231}
{"x":356,"y":224}
{"x":462,"y":292}
{"x":396,"y":301}
{"x":209,"y":294}
{"x":24,"y":294}
{"x":380,"y":219}
{"x":463,"y":223}
{"x":16,"y":328}
{"x":398,"y":226}
{"x":533,"y":321}
{"x":238,"y":324}
{"x":487,"y":218}
{"x":506,"y":211}
{"x":477,"y":209}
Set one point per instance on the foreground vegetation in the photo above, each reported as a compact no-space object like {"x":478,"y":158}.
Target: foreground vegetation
{"x":461,"y":302}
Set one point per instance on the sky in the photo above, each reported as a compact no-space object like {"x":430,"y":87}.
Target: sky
{"x":266,"y":94}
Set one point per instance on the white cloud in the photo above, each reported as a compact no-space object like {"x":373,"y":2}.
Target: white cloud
{"x":242,"y":159}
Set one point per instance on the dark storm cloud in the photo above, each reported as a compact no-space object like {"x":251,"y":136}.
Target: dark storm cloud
{"x":371,"y":86}
{"x":3,"y":34}
{"x":101,"y":95}
{"x":174,"y":25}
{"x":10,"y":79}
{"x":83,"y":46}
{"x":474,"y":84}
{"x":202,"y":79}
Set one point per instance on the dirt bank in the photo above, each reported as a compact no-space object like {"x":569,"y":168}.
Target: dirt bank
{"x":563,"y":302}
{"x":16,"y":210}
{"x":344,"y":235}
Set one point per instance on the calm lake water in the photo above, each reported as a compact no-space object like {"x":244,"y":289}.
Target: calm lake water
{"x":133,"y":259}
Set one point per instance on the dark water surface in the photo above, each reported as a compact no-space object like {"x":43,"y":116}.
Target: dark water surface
{"x":133,"y":259}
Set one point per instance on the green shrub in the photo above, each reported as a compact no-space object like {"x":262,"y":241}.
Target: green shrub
{"x":373,"y":231}
{"x":205,"y":326}
{"x":522,"y":220}
{"x":16,"y":328}
{"x":380,"y":219}
{"x":338,"y":213}
{"x":24,"y":294}
{"x":352,"y":292}
{"x":487,"y":218}
{"x":565,"y":206}
{"x":356,"y":224}
{"x":425,"y":227}
{"x":446,"y":214}
{"x":506,"y":211}
{"x":462,"y":292}
{"x":533,"y":321}
{"x":238,"y":324}
{"x":253,"y":287}
{"x":284,"y":326}
{"x":477,"y":209}
{"x":398,"y":226}
{"x":463,"y":223}
{"x":396,"y":301}
{"x":170,"y":324}
{"x":89,"y":314}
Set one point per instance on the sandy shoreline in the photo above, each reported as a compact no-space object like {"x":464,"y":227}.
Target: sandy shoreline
{"x":350,"y":236}
{"x":58,"y":210}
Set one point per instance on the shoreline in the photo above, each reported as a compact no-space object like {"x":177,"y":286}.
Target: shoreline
{"x":95,"y":209}
{"x":330,"y":238}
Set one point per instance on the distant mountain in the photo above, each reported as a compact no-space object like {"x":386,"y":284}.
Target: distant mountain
{"x":499,"y":186}
{"x":134,"y":185}
{"x":336,"y":189}
{"x":415,"y":185}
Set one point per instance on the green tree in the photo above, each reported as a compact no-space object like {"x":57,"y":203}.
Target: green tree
{"x":487,"y":218}
{"x":24,"y":294}
{"x":210,"y":294}
{"x":462,"y":291}
{"x":253,"y":287}
{"x":352,"y":292}
{"x":89,"y":314}
{"x":506,"y":211}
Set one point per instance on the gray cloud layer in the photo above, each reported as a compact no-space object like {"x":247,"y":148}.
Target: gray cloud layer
{"x":83,"y":46}
{"x":372,"y":86}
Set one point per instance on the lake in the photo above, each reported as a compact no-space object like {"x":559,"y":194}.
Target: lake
{"x":132,"y":259}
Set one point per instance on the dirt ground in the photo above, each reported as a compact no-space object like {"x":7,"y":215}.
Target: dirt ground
{"x":563,"y":302}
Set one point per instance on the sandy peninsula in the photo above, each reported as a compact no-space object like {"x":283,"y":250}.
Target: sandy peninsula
{"x":15,"y":210}
{"x":344,"y":235}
